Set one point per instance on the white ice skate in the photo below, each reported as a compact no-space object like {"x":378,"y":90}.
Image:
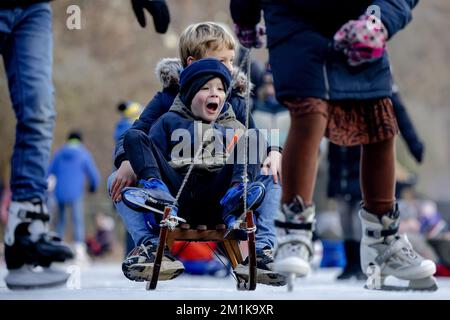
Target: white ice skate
{"x":28,"y":244}
{"x":294,"y":251}
{"x":386,"y":253}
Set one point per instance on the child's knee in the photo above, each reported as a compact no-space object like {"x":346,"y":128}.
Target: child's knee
{"x":134,"y":136}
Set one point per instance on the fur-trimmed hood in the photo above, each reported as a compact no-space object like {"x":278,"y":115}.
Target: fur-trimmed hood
{"x":168,"y":72}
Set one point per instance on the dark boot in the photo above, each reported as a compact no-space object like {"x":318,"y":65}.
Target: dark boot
{"x":353,"y":266}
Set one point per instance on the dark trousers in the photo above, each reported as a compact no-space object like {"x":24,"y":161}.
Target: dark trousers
{"x":199,"y":200}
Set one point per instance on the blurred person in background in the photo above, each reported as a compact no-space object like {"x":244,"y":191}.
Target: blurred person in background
{"x":70,"y":166}
{"x":268,"y":113}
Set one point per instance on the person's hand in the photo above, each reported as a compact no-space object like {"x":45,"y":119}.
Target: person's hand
{"x":157,"y":8}
{"x":272,"y":165}
{"x":251,"y":37}
{"x":362,"y":40}
{"x":125,"y":177}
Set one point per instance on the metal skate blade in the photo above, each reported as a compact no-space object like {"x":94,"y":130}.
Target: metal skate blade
{"x":27,"y":278}
{"x":427,"y":284}
{"x":152,"y":209}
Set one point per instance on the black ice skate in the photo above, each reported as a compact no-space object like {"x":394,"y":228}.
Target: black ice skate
{"x":28,"y":244}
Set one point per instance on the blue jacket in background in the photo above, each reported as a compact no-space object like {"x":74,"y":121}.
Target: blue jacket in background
{"x":71,"y":165}
{"x":121,"y":126}
{"x":307,"y":27}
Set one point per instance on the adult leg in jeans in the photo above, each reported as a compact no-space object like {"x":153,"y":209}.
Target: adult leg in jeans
{"x":27,"y":55}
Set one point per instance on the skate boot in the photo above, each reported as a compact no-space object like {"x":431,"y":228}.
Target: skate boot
{"x":264,"y":270}
{"x":139,"y":263}
{"x":28,"y":244}
{"x":386,"y":253}
{"x":295,"y":224}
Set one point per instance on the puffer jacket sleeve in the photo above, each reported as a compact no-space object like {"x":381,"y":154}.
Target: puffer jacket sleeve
{"x":407,"y":129}
{"x":395,"y":14}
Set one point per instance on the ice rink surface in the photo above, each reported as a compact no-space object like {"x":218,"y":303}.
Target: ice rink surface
{"x":103,"y":281}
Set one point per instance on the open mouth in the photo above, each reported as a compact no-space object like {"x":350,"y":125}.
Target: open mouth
{"x":212,"y":106}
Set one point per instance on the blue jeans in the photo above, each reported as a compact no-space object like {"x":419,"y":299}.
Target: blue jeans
{"x":265,"y":234}
{"x":77,"y":219}
{"x":134,"y":221}
{"x":26,"y":45}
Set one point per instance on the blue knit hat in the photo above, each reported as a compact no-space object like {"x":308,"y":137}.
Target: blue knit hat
{"x":194,"y":76}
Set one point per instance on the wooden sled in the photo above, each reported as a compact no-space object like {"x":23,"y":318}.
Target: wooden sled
{"x":229,"y":238}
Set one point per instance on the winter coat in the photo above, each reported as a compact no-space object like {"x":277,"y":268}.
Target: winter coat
{"x":121,"y":126}
{"x":168,"y":71}
{"x":181,"y":117}
{"x":307,"y":27}
{"x":71,"y":165}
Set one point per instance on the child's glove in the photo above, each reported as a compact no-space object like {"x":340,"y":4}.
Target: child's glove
{"x":157,"y":8}
{"x":362,"y":40}
{"x":251,"y":36}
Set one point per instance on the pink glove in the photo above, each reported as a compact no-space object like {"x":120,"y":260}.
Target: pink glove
{"x":362,"y":40}
{"x":251,"y":36}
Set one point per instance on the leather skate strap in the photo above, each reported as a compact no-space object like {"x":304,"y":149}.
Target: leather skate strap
{"x":378,"y":234}
{"x":34,"y":215}
{"x":392,"y":250}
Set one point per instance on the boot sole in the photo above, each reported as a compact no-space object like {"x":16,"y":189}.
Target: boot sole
{"x":143,"y":272}
{"x":267,"y":277}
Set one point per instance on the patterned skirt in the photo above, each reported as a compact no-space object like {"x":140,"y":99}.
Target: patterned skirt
{"x":350,"y":122}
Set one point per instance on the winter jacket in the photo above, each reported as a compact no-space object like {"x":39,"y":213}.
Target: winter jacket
{"x":307,"y":27}
{"x":121,"y":126}
{"x":187,"y":131}
{"x":168,"y":71}
{"x":71,"y":165}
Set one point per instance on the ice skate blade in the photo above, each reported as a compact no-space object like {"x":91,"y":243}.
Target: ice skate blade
{"x":25,"y":278}
{"x":149,"y":208}
{"x":426,"y":284}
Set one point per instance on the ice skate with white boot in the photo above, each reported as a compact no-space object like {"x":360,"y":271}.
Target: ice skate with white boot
{"x":30,"y":249}
{"x":386,"y":253}
{"x":294,"y":224}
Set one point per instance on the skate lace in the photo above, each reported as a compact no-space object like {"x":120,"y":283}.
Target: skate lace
{"x":145,"y":250}
{"x":295,"y":248}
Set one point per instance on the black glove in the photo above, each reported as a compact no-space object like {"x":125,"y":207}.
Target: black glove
{"x":157,"y":8}
{"x":92,"y":189}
